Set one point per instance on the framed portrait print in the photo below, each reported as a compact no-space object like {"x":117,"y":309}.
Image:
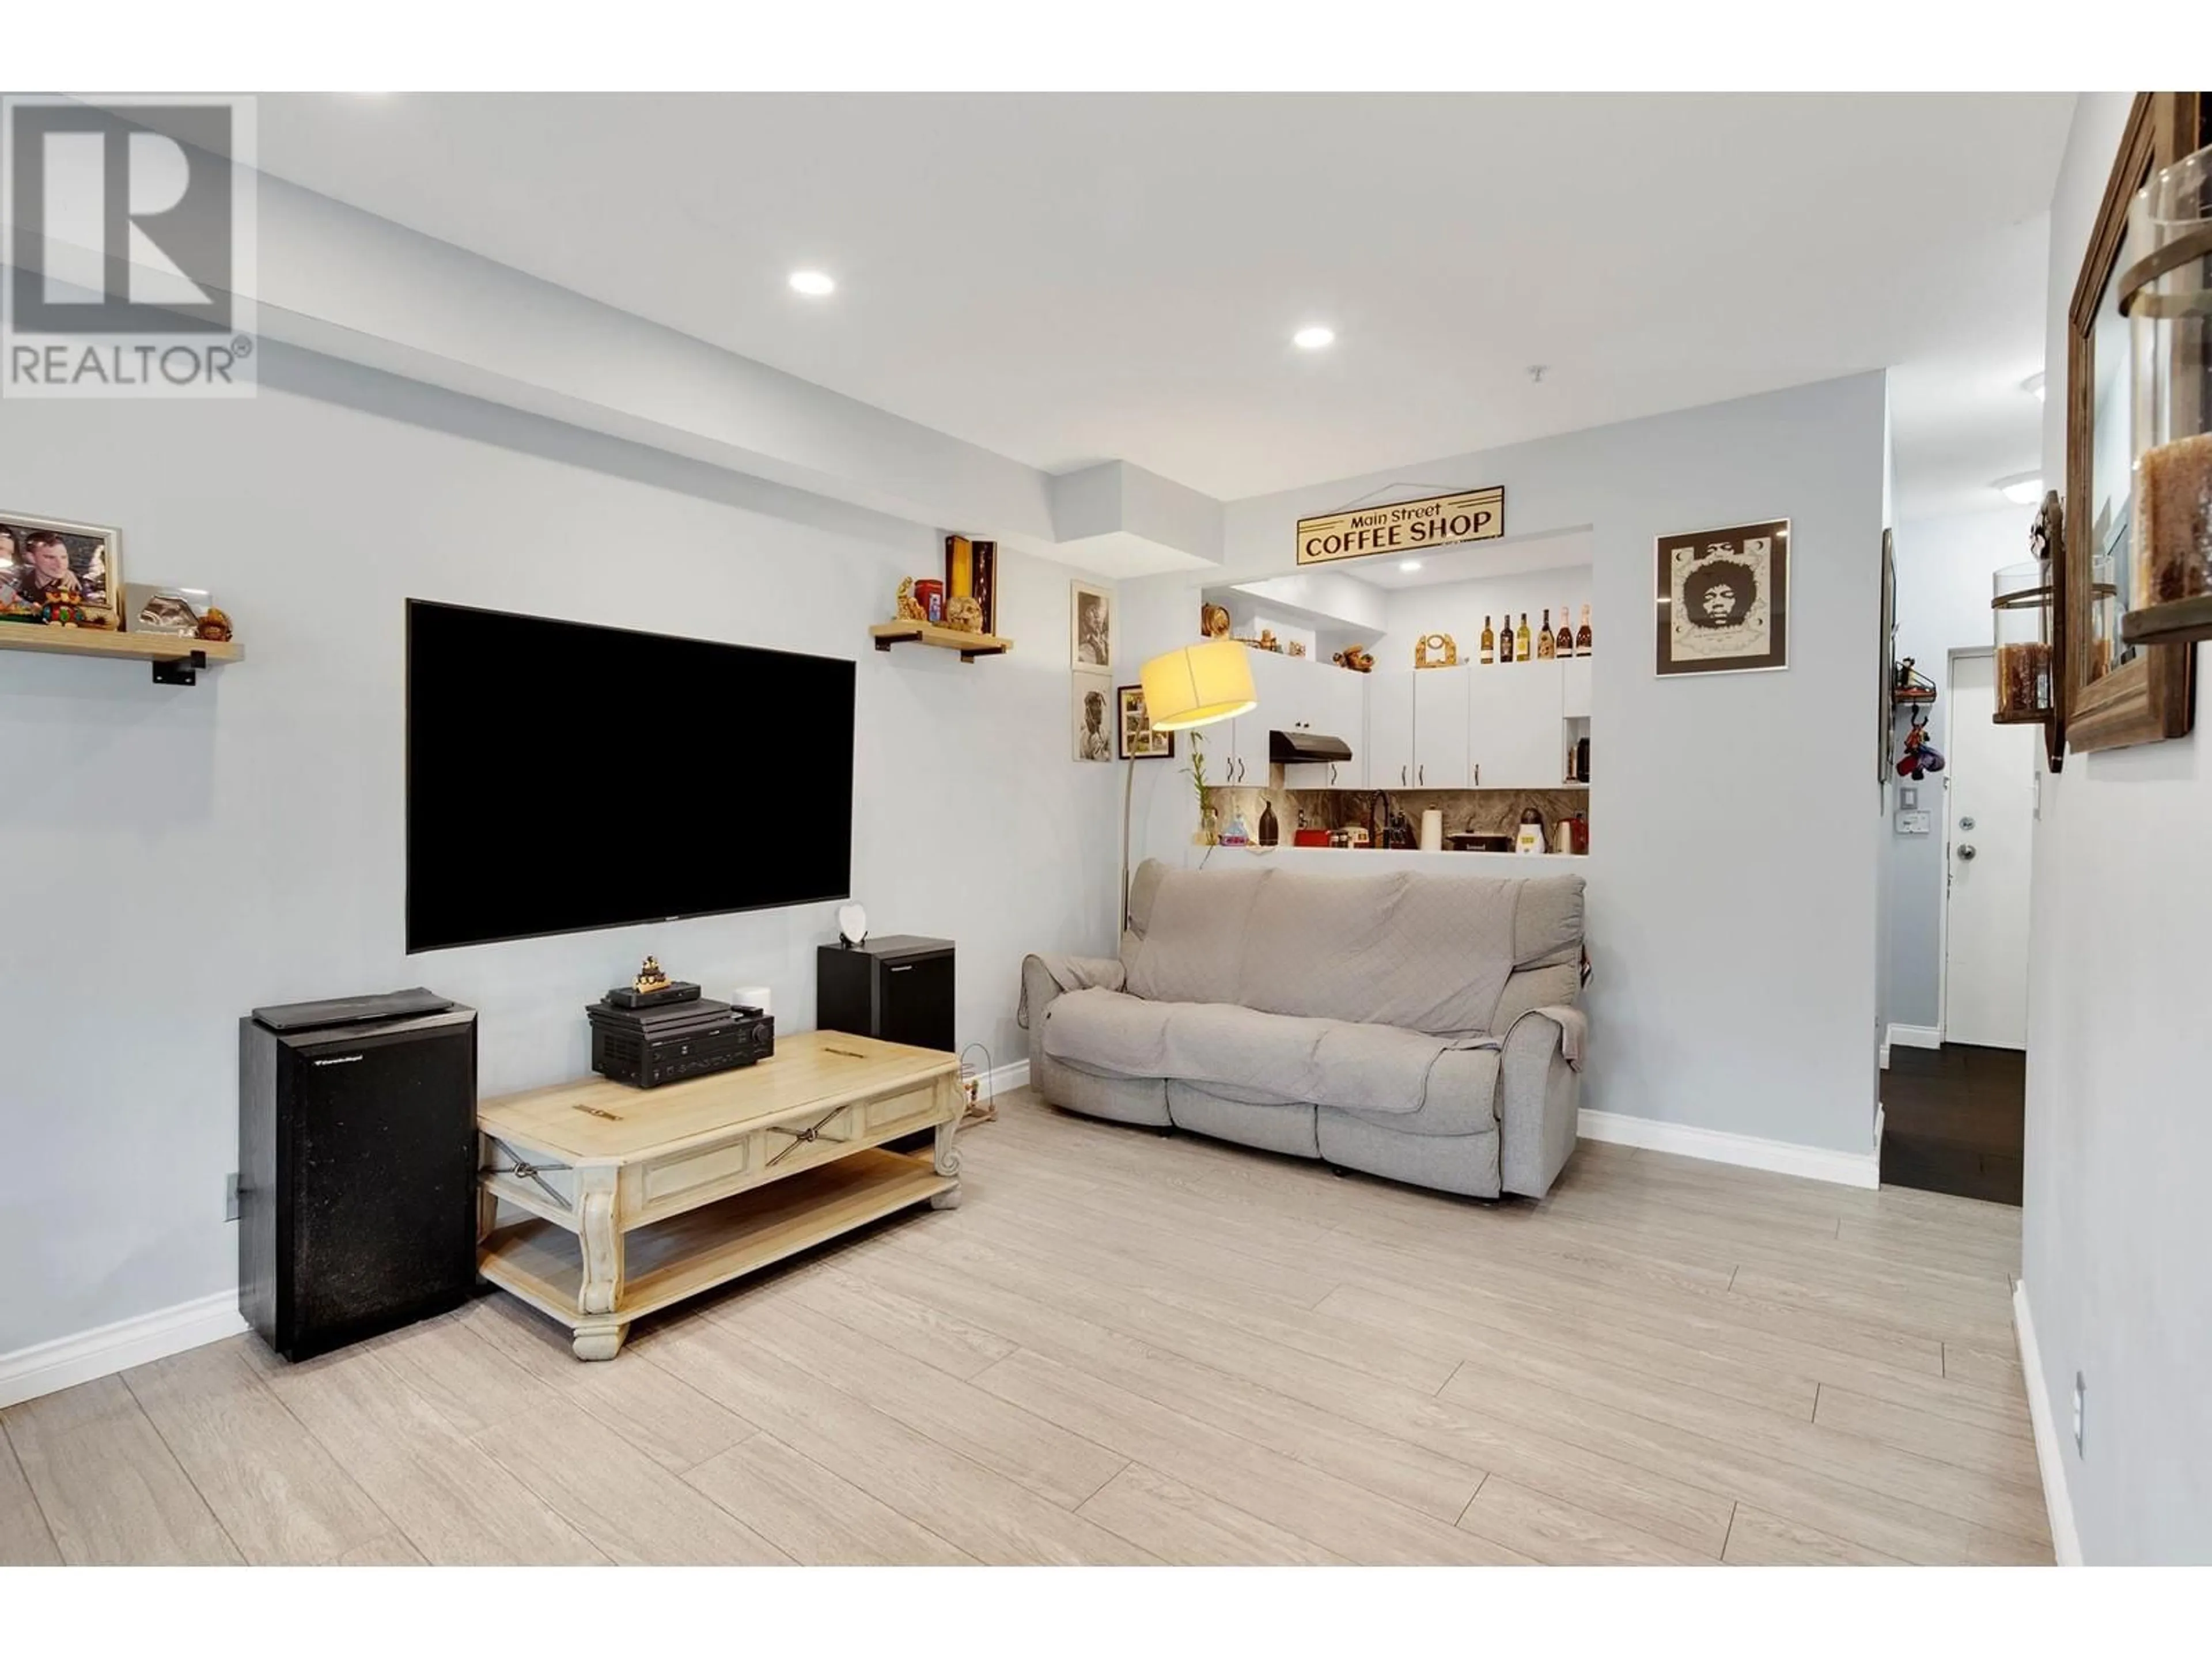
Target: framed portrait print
{"x":53,"y":561}
{"x":1134,"y":723}
{"x":1092,"y":708}
{"x":1723,"y":599}
{"x":1091,"y":626}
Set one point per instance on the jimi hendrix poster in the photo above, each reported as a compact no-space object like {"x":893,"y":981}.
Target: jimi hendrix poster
{"x":1723,"y":599}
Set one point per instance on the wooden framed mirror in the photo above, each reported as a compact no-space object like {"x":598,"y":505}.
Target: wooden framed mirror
{"x":2115,"y":694}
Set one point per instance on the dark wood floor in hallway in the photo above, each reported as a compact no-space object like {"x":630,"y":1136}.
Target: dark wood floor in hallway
{"x":1954,"y":1121}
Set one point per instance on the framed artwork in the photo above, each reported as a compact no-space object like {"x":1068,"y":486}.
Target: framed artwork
{"x":1091,"y":626}
{"x":51,"y":561}
{"x":1723,"y":599}
{"x":1139,"y":741}
{"x":1092,"y":707}
{"x":1885,"y":664}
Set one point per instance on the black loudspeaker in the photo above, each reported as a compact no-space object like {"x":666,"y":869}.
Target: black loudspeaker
{"x":356,"y":1149}
{"x":898,"y":987}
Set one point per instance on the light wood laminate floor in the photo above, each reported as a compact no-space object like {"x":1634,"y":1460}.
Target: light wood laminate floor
{"x":1126,"y":1347}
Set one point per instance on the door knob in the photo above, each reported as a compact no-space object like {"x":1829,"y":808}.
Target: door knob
{"x":1965,"y":849}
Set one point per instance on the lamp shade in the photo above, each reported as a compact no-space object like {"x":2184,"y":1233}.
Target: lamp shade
{"x":1198,"y":686}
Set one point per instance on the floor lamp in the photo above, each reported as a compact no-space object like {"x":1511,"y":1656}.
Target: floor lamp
{"x":1185,"y":689}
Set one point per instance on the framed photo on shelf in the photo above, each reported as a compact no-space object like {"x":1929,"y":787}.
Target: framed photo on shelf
{"x":1092,"y":706}
{"x":1091,"y":626}
{"x":54,"y":562}
{"x":1139,"y":741}
{"x":1723,"y":599}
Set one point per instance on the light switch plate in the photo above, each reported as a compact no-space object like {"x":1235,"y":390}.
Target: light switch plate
{"x":1908,"y":795}
{"x":1913,"y":824}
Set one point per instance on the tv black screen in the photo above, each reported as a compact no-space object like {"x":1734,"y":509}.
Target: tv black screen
{"x":562,"y":777}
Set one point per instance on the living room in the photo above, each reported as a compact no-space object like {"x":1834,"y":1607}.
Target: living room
{"x":1293,"y":947}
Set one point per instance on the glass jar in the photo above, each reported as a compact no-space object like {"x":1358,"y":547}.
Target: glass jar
{"x":2164,"y":295}
{"x":2022,"y":610}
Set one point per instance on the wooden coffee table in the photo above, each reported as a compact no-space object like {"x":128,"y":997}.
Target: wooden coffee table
{"x":638,"y":1198}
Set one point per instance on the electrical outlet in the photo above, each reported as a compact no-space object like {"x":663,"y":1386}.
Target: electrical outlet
{"x":2080,"y":1400}
{"x":230,"y":1196}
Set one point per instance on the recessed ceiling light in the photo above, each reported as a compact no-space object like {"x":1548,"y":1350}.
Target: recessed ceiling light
{"x":1409,"y":564}
{"x":1314,"y":337}
{"x":2033,"y":385}
{"x":814,"y":283}
{"x":2021,"y":488}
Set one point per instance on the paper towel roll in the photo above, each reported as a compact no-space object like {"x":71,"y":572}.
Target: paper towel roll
{"x":1432,"y":831}
{"x":753,"y":996}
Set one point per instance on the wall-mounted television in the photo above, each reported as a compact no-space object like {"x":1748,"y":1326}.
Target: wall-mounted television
{"x":562,"y":776}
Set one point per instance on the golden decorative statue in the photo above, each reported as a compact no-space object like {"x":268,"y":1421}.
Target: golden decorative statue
{"x":649,"y":977}
{"x":909,"y":608}
{"x":965,"y":615}
{"x":1436,"y":651}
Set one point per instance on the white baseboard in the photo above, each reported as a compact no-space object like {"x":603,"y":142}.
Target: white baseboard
{"x":1912,"y":1037}
{"x":62,"y":1364}
{"x":1005,"y":1079}
{"x":2050,"y":1458}
{"x":1751,"y":1151}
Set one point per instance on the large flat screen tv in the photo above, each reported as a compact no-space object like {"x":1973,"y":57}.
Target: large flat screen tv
{"x":562,"y":777}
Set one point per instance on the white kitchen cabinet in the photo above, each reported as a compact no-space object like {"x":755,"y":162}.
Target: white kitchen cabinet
{"x":1574,"y":688}
{"x":1440,"y":728}
{"x":1516,"y":735}
{"x":1329,"y":701}
{"x":1389,"y":759}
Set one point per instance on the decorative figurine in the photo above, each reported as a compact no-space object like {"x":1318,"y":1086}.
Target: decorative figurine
{"x":1358,"y":658}
{"x":649,"y":977}
{"x":909,"y":608}
{"x":215,"y":624}
{"x":965,"y":615}
{"x":1213,"y":621}
{"x":1436,"y":651}
{"x":1920,"y":756}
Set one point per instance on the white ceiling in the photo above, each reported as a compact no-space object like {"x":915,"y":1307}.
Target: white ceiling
{"x":1071,"y":278}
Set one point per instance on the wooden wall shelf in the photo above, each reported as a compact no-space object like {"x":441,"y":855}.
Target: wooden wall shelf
{"x":970,"y":645}
{"x":2178,"y":622}
{"x":177,"y":657}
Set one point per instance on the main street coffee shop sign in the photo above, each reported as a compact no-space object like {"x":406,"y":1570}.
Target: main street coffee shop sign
{"x":1473,"y":515}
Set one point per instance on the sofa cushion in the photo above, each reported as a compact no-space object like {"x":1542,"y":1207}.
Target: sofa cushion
{"x":1423,"y":951}
{"x":1191,"y":943}
{"x":1260,"y":1056}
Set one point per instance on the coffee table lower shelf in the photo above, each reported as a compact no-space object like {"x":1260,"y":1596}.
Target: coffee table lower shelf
{"x":668,"y":1261}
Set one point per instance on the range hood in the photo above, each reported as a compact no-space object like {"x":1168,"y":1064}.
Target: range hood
{"x":1294,"y":748}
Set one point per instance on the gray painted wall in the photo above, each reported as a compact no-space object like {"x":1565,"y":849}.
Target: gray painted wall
{"x":1944,"y":568}
{"x":1734,"y":894}
{"x":241,"y":842}
{"x":2118,"y":1231}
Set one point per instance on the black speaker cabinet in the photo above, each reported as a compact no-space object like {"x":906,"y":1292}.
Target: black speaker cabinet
{"x":356,"y":1146}
{"x":897,"y":987}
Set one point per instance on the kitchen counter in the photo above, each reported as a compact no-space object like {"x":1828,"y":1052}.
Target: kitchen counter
{"x":1347,"y":859}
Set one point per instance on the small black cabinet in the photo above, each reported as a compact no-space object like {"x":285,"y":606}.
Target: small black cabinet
{"x":898,"y":987}
{"x":358,"y":1165}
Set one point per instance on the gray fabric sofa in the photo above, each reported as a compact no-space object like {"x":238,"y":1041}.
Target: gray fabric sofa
{"x":1420,"y":1026}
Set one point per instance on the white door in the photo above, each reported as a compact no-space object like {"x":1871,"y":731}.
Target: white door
{"x":1391,"y":728}
{"x":1518,"y":738}
{"x":1440,"y":758}
{"x":1989,"y":806}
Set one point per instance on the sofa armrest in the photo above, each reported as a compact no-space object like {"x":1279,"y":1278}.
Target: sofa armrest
{"x":1539,"y":1100}
{"x":1044,"y":977}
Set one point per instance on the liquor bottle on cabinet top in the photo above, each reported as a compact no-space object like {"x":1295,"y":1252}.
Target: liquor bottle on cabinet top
{"x":1565,"y":642}
{"x":1488,"y":643}
{"x":1521,"y":639}
{"x":1582,"y":636}
{"x":1545,"y":645}
{"x":1505,"y":639}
